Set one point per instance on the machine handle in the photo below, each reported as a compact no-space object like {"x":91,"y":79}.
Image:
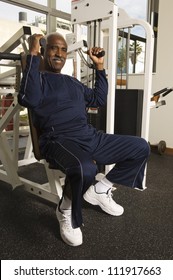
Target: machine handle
{"x":42,"y":42}
{"x":167,"y":92}
{"x":160,"y":91}
{"x":100,"y":54}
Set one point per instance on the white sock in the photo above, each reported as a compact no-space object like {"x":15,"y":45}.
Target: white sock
{"x":65,"y":204}
{"x":103,"y":186}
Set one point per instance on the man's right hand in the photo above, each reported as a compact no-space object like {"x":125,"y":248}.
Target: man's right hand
{"x":34,"y":44}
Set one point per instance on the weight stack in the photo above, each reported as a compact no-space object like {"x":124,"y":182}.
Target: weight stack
{"x":128,"y":113}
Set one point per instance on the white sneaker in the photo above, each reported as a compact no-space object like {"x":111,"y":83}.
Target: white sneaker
{"x":71,"y":236}
{"x":104,"y":200}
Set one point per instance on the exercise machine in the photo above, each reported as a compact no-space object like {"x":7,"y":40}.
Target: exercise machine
{"x":101,"y":23}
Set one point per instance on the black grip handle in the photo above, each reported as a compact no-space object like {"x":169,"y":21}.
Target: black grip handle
{"x":167,"y":92}
{"x":160,"y":91}
{"x":100,"y":54}
{"x":42,"y":42}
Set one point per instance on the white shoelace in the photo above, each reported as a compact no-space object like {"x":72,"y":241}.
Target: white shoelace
{"x":110,"y":194}
{"x":66,"y":220}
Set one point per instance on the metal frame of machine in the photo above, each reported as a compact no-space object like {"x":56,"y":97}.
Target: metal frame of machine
{"x":100,"y":19}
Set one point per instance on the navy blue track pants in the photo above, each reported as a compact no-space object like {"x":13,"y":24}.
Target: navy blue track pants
{"x":76,"y":160}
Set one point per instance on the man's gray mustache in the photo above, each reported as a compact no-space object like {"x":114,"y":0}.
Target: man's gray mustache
{"x":59,"y":58}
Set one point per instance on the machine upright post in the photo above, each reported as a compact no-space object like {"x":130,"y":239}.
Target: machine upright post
{"x":99,"y":18}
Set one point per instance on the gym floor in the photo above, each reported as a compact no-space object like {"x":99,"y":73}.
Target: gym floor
{"x":29,"y":228}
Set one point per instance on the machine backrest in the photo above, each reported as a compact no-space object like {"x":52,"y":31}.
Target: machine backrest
{"x":35,"y":133}
{"x":34,"y":137}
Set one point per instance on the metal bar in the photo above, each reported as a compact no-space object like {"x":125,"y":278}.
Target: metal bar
{"x":99,"y":32}
{"x":15,"y":143}
{"x":8,"y":164}
{"x":10,"y":56}
{"x":14,"y":107}
{"x":15,"y":40}
{"x":94,"y":44}
{"x":89,"y":43}
{"x":37,"y":189}
{"x":8,"y":73}
{"x":111,"y":99}
{"x":127,"y":60}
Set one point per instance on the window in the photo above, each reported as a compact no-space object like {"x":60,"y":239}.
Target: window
{"x":135,"y":48}
{"x":16,"y":15}
{"x":64,"y":6}
{"x":13,"y":13}
{"x":135,"y":8}
{"x":41,"y":2}
{"x":131,"y":53}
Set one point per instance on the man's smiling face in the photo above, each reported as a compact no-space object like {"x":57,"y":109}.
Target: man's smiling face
{"x":55,"y":53}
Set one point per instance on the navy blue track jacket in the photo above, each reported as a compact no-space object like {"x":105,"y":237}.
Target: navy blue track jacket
{"x":60,"y":100}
